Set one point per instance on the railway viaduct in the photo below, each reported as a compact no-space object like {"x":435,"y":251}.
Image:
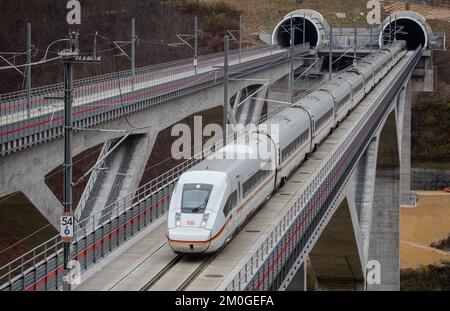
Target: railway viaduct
{"x":340,"y":209}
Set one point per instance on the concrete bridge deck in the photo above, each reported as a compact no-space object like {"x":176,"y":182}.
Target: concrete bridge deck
{"x":22,"y":128}
{"x":149,"y":263}
{"x":10,"y":116}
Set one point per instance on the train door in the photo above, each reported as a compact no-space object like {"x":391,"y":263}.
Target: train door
{"x":313,"y":135}
{"x":239,"y":207}
{"x":239,"y":188}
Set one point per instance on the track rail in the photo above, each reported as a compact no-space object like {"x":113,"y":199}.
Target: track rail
{"x":161,"y":274}
{"x":197,"y":272}
{"x":186,"y":282}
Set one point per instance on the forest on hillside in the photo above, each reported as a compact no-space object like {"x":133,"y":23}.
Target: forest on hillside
{"x":157,"y":24}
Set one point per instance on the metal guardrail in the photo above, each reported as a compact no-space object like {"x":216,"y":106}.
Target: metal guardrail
{"x":268,"y":266}
{"x":15,"y":103}
{"x":18,"y":268}
{"x":102,"y":107}
{"x":318,"y":192}
{"x":40,"y":268}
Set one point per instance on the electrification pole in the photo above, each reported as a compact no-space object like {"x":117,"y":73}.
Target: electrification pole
{"x":291,"y":63}
{"x":271,"y":34}
{"x":355,"y":39}
{"x":196,"y":45}
{"x":240,"y":39}
{"x":133,"y":53}
{"x":69,"y":56}
{"x":304,"y":27}
{"x":371,"y":38}
{"x":395,"y":28}
{"x":29,"y":47}
{"x":390,"y":29}
{"x":271,"y":23}
{"x":225,"y":88}
{"x":330,"y":67}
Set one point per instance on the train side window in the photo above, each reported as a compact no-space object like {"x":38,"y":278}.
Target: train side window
{"x":254,"y":181}
{"x":226,"y":209}
{"x":230,"y":204}
{"x":295,"y":145}
{"x":323,"y":119}
{"x":344,"y":100}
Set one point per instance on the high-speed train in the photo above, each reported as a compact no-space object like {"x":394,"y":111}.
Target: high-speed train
{"x":212,"y":200}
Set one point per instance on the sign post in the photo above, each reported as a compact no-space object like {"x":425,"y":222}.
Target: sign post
{"x":67,"y":227}
{"x":69,"y":56}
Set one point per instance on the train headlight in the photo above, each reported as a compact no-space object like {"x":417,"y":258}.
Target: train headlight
{"x":177,"y":219}
{"x":205,"y":220}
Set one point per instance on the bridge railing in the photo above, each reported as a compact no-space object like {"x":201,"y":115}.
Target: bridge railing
{"x":46,"y":123}
{"x":150,"y":200}
{"x":293,"y":235}
{"x":44,"y":100}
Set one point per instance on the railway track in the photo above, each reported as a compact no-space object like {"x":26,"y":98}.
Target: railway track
{"x":197,"y":272}
{"x":181,"y":271}
{"x":161,"y":274}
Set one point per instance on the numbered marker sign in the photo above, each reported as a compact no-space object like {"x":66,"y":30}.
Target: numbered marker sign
{"x":67,"y":227}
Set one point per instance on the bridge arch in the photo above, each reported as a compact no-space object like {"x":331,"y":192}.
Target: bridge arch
{"x":384,"y":245}
{"x":247,"y":105}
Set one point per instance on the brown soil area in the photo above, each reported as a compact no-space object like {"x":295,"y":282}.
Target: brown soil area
{"x":83,"y":162}
{"x":19,"y":219}
{"x":427,"y":223}
{"x":429,"y":12}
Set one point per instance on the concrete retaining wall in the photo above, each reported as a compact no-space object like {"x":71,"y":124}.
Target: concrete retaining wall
{"x":429,"y":179}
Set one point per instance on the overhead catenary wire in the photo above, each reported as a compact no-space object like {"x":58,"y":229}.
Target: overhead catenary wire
{"x":119,"y":89}
{"x":24,"y":239}
{"x":131,"y":125}
{"x":159,"y":163}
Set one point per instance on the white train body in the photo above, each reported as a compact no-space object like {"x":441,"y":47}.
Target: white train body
{"x":214,"y":198}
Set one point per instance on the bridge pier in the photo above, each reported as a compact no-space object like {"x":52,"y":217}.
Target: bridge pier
{"x":119,"y":175}
{"x":384,"y":244}
{"x":407,"y":198}
{"x":367,"y":187}
{"x":24,"y":170}
{"x":365,"y":226}
{"x":43,"y":198}
{"x":336,"y":257}
{"x":299,"y":282}
{"x":250,"y":110}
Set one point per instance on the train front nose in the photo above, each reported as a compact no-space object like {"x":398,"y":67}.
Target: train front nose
{"x":189,"y":240}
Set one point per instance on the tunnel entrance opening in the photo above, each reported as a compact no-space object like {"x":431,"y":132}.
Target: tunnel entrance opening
{"x":284,"y":33}
{"x":407,"y":30}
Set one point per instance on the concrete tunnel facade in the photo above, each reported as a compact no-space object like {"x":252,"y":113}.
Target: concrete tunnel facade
{"x":409,"y":26}
{"x":315,"y":26}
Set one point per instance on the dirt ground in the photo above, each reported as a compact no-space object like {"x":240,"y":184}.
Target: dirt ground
{"x":429,"y":12}
{"x":419,"y":227}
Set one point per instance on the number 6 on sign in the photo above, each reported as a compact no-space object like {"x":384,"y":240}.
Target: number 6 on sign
{"x":67,"y":226}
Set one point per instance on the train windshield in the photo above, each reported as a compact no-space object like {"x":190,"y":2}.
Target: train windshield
{"x":195,"y":198}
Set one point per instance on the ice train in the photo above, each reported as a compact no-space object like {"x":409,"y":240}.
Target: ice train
{"x":212,"y":200}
